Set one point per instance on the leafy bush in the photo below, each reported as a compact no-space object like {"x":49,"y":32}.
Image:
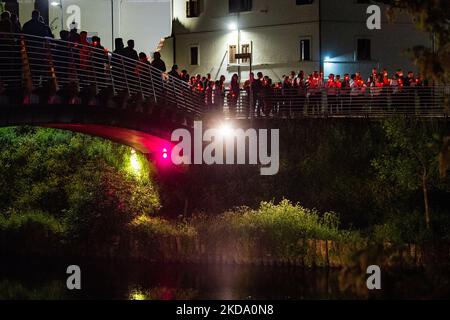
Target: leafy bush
{"x":155,"y":227}
{"x":279,"y":229}
{"x":86,"y":186}
{"x":32,"y":232}
{"x":31,"y":220}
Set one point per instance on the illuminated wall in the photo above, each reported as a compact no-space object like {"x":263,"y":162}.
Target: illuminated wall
{"x":276,"y":27}
{"x":145,"y":21}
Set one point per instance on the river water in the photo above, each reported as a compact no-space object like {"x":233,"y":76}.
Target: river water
{"x":46,"y":279}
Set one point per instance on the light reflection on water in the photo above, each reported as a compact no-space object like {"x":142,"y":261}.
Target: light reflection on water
{"x":31,"y":279}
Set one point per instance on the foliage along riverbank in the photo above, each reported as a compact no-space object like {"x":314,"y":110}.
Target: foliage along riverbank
{"x":65,"y":194}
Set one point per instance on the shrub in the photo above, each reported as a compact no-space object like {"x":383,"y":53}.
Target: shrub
{"x":278,"y":229}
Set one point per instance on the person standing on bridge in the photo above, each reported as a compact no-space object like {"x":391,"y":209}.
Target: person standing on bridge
{"x":158,"y":63}
{"x":35,"y":27}
{"x":6,"y":44}
{"x":15,"y":24}
{"x":5,"y":22}
{"x":175,"y":72}
{"x":119,"y":46}
{"x":129,"y":51}
{"x":233,"y":98}
{"x":47,"y":28}
{"x":74,"y":36}
{"x":143,"y":58}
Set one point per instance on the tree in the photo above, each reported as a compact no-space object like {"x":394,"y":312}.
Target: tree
{"x":410,"y":161}
{"x":444,"y":158}
{"x":432,"y":17}
{"x":83,"y":185}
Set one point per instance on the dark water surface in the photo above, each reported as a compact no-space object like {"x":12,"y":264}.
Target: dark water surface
{"x":38,"y":279}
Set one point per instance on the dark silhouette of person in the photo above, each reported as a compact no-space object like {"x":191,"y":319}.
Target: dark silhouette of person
{"x":117,"y":63}
{"x":174,"y":72}
{"x":6,"y":45}
{"x":234,"y":94}
{"x":64,"y":35}
{"x":100,"y":55}
{"x":185,"y":76}
{"x":35,"y":27}
{"x":35,"y":46}
{"x":74,"y":36}
{"x":47,"y":28}
{"x":97,"y":43}
{"x":62,"y":58}
{"x":129,"y":51}
{"x":143,"y":58}
{"x":143,"y":66}
{"x":119,"y":46}
{"x":15,"y":24}
{"x":158,"y":63}
{"x":5,"y":22}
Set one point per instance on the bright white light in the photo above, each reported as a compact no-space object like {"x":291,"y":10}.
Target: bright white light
{"x":134,"y":161}
{"x":226,"y":131}
{"x":232,"y":26}
{"x":54,"y":3}
{"x":327,"y":58}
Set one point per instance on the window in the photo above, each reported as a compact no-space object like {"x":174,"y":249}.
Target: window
{"x":303,"y":2}
{"x":232,"y":54}
{"x":305,"y":50}
{"x":364,"y":50}
{"x":193,"y":8}
{"x":194,"y":56}
{"x":239,"y":5}
{"x":245,"y":49}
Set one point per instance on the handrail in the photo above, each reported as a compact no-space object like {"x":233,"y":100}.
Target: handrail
{"x":61,"y":63}
{"x":28,"y":62}
{"x":419,"y":101}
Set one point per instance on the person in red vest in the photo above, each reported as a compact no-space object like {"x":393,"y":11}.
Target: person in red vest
{"x":331,"y":91}
{"x":233,"y":96}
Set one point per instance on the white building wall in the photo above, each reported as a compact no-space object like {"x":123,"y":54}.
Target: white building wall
{"x":145,"y":21}
{"x":273,"y":27}
{"x":276,"y":51}
{"x":276,"y":27}
{"x":344,"y":22}
{"x":216,"y":16}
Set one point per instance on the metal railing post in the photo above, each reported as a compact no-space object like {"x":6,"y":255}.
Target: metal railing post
{"x":125,"y":74}
{"x":110,"y":70}
{"x":153,"y":84}
{"x":140,"y":82}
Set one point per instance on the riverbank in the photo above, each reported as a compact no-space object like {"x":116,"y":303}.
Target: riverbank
{"x":283,"y":234}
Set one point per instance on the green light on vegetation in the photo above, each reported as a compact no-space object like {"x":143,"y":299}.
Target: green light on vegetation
{"x":135,"y":163}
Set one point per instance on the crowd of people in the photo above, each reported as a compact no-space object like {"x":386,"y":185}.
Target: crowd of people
{"x":264,"y":96}
{"x":9,"y":23}
{"x":259,"y":94}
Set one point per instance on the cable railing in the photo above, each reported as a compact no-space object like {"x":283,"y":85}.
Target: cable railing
{"x":418,"y":101}
{"x":65,"y":68}
{"x":60,"y":71}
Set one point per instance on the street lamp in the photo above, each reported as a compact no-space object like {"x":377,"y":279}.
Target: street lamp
{"x":60,"y":5}
{"x":232,"y":26}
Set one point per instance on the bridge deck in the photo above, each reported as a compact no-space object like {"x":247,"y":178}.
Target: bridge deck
{"x":45,"y":71}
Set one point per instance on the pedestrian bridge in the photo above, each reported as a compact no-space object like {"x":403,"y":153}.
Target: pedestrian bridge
{"x":58,"y":84}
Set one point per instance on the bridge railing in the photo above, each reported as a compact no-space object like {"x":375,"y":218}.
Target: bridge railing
{"x":418,"y":101}
{"x":30,"y":62}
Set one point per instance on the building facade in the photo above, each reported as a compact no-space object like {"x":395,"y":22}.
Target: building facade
{"x":283,"y":35}
{"x":145,"y":21}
